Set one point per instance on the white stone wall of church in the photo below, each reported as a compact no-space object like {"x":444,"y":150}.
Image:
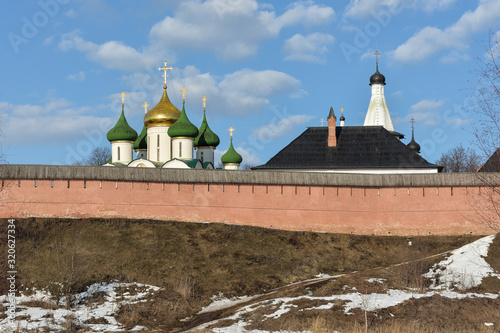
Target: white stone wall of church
{"x":182,"y":148}
{"x":125,"y":154}
{"x":231,"y":167}
{"x":378,"y":112}
{"x":159,"y":134}
{"x":205,"y":155}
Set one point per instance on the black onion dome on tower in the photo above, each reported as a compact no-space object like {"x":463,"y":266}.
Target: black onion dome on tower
{"x":413,"y":145}
{"x":377,"y":78}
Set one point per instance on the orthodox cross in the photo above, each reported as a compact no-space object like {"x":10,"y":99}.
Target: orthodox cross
{"x":204,"y":100}
{"x":145,"y":106}
{"x":412,"y":121}
{"x":122,"y":95}
{"x":164,"y":69}
{"x":376,"y":54}
{"x":231,"y":130}
{"x":342,"y":110}
{"x":322,"y":121}
{"x":184,"y":91}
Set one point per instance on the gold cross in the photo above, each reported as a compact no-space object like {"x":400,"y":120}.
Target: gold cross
{"x":322,"y":121}
{"x":184,"y":91}
{"x":231,"y":130}
{"x":204,"y":100}
{"x":165,"y":68}
{"x":145,"y":106}
{"x":122,"y":95}
{"x":342,"y":110}
{"x":412,"y":121}
{"x":376,"y":54}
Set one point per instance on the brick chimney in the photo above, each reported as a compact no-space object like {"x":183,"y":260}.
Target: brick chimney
{"x":332,"y":129}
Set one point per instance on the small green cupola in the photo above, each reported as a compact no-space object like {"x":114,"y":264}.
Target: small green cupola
{"x":122,"y":130}
{"x":183,"y":127}
{"x":141,"y":142}
{"x":231,"y":157}
{"x":206,"y":137}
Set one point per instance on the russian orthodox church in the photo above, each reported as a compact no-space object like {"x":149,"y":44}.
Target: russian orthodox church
{"x":168,"y":138}
{"x":374,"y":148}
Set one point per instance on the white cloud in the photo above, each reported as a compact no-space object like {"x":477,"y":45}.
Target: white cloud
{"x":423,"y":112}
{"x":310,"y":48}
{"x":427,"y":104}
{"x":232,"y":30}
{"x":397,"y":94}
{"x":111,"y":54}
{"x":364,"y":8}
{"x":281,"y":128}
{"x":242,"y":92}
{"x":80,"y":76}
{"x":453,"y":57}
{"x":56,"y":122}
{"x":70,"y":13}
{"x":48,"y":40}
{"x":430,"y":40}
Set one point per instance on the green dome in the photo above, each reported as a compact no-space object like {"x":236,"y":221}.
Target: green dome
{"x":183,"y":127}
{"x":231,"y":156}
{"x":141,"y":142}
{"x":122,"y":131}
{"x":206,"y":138}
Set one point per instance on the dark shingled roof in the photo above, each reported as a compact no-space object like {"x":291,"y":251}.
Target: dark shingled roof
{"x":492,"y":164}
{"x":357,"y":147}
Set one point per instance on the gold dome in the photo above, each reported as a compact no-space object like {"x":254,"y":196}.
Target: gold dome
{"x":162,"y":114}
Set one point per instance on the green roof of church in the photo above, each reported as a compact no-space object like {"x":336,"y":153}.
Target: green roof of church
{"x":141,"y":141}
{"x":122,"y":130}
{"x":183,"y":127}
{"x":231,"y":156}
{"x":206,"y":137}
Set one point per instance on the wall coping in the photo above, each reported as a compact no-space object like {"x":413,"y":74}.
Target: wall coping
{"x":70,"y":172}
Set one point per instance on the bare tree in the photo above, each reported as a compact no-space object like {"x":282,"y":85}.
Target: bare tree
{"x":486,"y":100}
{"x":486,"y":127}
{"x":460,"y":159}
{"x":98,"y":156}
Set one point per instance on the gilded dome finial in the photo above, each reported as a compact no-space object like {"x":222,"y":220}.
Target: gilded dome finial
{"x":204,"y":100}
{"x":184,"y":91}
{"x":123,"y":95}
{"x":145,"y":106}
{"x":164,"y":69}
{"x":231,"y":130}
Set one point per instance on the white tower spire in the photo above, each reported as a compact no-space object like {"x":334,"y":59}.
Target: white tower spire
{"x":378,"y":113}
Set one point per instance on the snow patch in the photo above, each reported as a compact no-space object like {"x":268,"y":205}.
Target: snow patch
{"x":464,"y":268}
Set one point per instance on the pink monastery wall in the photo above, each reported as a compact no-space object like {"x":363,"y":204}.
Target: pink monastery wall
{"x":414,"y":210}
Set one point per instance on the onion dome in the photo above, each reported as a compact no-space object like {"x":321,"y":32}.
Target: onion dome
{"x":377,"y":77}
{"x":183,"y":127}
{"x":162,"y":114}
{"x":231,"y":156}
{"x":141,"y":141}
{"x":122,"y":131}
{"x":413,"y":145}
{"x":206,"y":137}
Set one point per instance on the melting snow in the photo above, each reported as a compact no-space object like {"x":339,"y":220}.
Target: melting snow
{"x":464,"y":268}
{"x":83,"y":310}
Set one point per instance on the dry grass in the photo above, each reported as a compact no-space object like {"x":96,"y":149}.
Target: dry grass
{"x":192,"y":261}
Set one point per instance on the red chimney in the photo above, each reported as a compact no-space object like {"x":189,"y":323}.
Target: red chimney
{"x":332,"y":129}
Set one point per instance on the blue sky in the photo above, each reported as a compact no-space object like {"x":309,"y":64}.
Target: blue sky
{"x":269,"y":69}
